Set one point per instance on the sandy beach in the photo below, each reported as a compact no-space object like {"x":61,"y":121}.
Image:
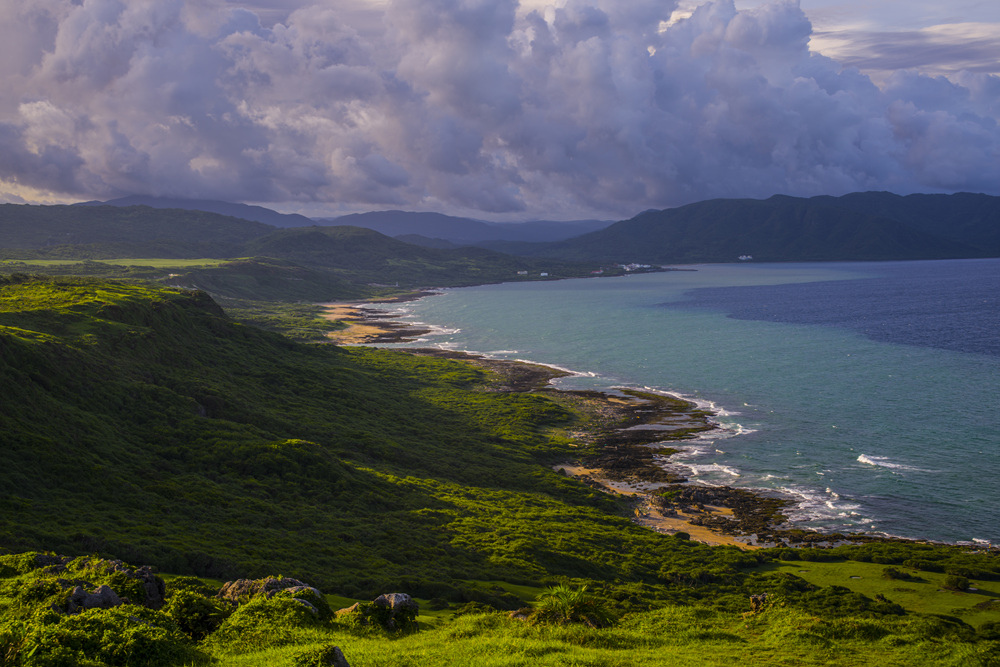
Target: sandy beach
{"x":367,"y":325}
{"x":650,"y":515}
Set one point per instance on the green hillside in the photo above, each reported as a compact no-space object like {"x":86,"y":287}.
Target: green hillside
{"x":859,"y":227}
{"x":99,"y":232}
{"x":268,"y":264}
{"x":368,"y":256}
{"x":141,"y":421}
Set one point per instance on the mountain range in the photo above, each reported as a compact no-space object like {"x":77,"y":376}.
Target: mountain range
{"x":431,"y":229}
{"x":232,"y":209}
{"x":856,"y":227}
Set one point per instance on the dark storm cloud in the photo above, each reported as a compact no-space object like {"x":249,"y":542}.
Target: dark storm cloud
{"x":593,"y":108}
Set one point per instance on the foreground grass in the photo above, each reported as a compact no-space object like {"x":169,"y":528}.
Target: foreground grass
{"x":924,"y":594}
{"x":672,"y":635}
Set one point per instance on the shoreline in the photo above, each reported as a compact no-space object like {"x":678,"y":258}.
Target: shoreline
{"x":366,"y":326}
{"x":625,"y":440}
{"x":627,"y":451}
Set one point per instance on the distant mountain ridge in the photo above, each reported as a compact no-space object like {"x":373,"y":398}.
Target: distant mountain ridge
{"x":310,"y":262}
{"x":856,"y":227}
{"x":135,"y":231}
{"x":437,"y":227}
{"x":243,"y":211}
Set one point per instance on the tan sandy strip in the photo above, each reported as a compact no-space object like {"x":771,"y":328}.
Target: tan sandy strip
{"x":651,"y":517}
{"x":358,"y":330}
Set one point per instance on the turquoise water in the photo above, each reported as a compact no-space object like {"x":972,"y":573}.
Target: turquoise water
{"x":871,"y":418}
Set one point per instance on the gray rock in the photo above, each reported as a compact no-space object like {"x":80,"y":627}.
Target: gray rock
{"x":397,"y":602}
{"x":103,"y":597}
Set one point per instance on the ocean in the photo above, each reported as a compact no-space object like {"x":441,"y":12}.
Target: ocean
{"x":866,"y":392}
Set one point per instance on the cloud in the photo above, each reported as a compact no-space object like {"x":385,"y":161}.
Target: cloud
{"x":579,"y":109}
{"x":939,"y":49}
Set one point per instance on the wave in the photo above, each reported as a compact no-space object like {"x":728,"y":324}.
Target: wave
{"x":573,"y":373}
{"x":884,"y":462}
{"x":821,"y":506}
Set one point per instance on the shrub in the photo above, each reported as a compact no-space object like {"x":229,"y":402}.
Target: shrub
{"x":956,"y":582}
{"x":195,"y":614}
{"x":328,"y":655}
{"x":193,"y":584}
{"x":125,"y":635}
{"x":310,"y":595}
{"x":923,"y":565}
{"x":562,"y":604}
{"x":263,"y":623}
{"x":895,"y":573}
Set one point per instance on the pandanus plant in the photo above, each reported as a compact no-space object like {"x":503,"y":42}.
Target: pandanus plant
{"x":564,"y":604}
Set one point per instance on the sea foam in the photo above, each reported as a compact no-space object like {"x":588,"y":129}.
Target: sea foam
{"x":884,"y":462}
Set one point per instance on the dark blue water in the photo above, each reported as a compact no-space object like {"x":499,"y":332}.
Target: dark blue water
{"x":945,"y":304}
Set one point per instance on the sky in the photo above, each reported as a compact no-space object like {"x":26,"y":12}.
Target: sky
{"x":496,"y":109}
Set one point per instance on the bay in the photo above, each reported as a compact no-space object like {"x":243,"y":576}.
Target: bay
{"x":867,"y":392}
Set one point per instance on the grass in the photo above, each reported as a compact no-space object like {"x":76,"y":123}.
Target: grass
{"x":925,"y":596}
{"x":667,"y":636}
{"x":155,"y":262}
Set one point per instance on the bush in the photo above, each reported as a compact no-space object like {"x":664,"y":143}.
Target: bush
{"x":195,"y":614}
{"x":193,"y":584}
{"x":263,"y":623}
{"x":125,"y":635}
{"x":923,"y":565}
{"x":328,"y":655}
{"x":562,"y":604}
{"x":956,"y":582}
{"x":895,"y":573}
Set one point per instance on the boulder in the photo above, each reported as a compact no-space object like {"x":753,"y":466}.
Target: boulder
{"x":396,"y":602}
{"x":103,"y":597}
{"x":393,"y":611}
{"x":153,"y":587}
{"x":242,"y":590}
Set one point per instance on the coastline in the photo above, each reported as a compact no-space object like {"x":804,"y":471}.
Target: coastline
{"x":625,"y":450}
{"x":367,"y":326}
{"x":618,"y":459}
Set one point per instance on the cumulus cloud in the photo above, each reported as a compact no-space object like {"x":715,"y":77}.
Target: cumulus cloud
{"x":486,"y":107}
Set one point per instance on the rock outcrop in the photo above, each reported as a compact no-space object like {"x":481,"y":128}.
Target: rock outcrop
{"x":103,"y":597}
{"x":393,"y":611}
{"x":243,"y":590}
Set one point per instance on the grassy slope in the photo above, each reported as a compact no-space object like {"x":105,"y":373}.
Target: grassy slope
{"x":924,"y":594}
{"x":141,"y":422}
{"x":668,"y":636}
{"x":306,"y":263}
{"x":80,"y":232}
{"x":367,"y":256}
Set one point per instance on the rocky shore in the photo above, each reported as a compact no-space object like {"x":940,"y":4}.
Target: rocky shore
{"x":371,"y":325}
{"x":626,"y":440}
